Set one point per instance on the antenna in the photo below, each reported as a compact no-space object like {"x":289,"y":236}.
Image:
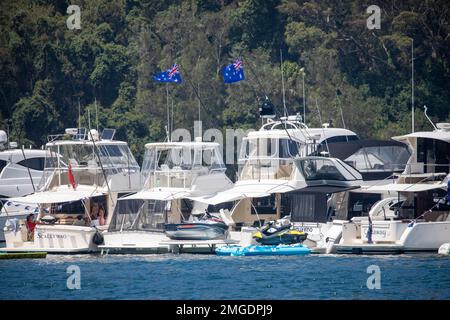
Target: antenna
{"x":199,"y":103}
{"x":96,"y":113}
{"x":89,"y":119}
{"x":79,"y":113}
{"x":304,"y":95}
{"x":426,"y":115}
{"x":323,"y":129}
{"x":338,"y":94}
{"x":412,"y":85}
{"x":282,"y":84}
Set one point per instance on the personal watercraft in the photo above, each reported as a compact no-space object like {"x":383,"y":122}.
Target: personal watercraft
{"x":208,"y":227}
{"x":279,"y":232}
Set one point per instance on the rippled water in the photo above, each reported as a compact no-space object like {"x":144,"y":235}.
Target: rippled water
{"x":210,"y":277}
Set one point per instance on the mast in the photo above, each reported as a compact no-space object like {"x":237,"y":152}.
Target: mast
{"x":96,"y":113}
{"x":412,"y":85}
{"x":304,"y":96}
{"x":282,"y":84}
{"x":79,"y":113}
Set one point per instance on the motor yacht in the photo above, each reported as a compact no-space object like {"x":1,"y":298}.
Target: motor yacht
{"x":84,"y":174}
{"x":172,"y":173}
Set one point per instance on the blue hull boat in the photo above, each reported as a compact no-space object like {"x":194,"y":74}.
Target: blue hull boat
{"x":255,"y":250}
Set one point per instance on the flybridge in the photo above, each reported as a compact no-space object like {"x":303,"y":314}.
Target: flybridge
{"x":83,"y":134}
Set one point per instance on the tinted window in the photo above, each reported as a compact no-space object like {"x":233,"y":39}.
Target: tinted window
{"x":3,"y":164}
{"x":33,"y":163}
{"x":341,"y":139}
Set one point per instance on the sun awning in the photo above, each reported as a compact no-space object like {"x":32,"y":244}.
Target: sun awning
{"x":407,"y":187}
{"x":59,"y":196}
{"x":158,"y":194}
{"x":248,"y":190}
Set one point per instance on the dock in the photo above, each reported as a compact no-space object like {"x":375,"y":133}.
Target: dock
{"x":196,"y":246}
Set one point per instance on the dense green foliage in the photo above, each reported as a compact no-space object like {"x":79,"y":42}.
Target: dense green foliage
{"x":46,"y":69}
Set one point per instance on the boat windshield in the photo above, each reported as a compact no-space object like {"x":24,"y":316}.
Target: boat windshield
{"x":176,"y":165}
{"x":140,"y":215}
{"x":85,"y":163}
{"x":267,"y":158}
{"x":325,"y":169}
{"x":379,"y":158}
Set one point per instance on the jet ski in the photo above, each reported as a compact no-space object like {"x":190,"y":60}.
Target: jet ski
{"x":208,"y":227}
{"x":279,"y":232}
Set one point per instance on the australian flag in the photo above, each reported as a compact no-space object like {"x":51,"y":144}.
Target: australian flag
{"x":170,"y":75}
{"x":233,"y":72}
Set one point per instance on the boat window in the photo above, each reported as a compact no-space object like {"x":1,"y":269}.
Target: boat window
{"x":3,"y":164}
{"x":361,"y":203}
{"x":139,"y":214}
{"x":258,"y":148}
{"x":380,"y":158}
{"x":75,"y":207}
{"x":264,"y":205}
{"x":308,"y":207}
{"x":320,"y":169}
{"x":435,"y":154}
{"x":33,"y":163}
{"x":288,"y":148}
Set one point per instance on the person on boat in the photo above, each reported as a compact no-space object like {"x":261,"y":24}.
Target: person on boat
{"x":94,"y":211}
{"x":31,"y":225}
{"x":101,"y":216}
{"x":94,"y":215}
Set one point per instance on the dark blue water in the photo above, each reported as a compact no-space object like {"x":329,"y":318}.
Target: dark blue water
{"x":210,"y":277}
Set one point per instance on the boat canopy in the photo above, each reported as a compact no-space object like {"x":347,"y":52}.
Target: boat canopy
{"x":371,"y":155}
{"x":58,"y":196}
{"x":248,"y":190}
{"x":407,"y":187}
{"x":164,"y":194}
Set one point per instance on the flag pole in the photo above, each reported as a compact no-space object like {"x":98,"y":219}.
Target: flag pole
{"x":168,"y":113}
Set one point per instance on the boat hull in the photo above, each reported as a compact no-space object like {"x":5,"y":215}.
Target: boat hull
{"x":138,"y":242}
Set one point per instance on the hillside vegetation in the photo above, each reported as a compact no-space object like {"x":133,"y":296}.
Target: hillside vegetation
{"x":46,"y":69}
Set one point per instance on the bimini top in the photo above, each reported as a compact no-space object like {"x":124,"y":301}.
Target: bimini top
{"x":60,"y":195}
{"x":163,"y":194}
{"x":247,"y":189}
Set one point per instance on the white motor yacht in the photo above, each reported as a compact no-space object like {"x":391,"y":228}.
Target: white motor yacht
{"x":415,"y":214}
{"x":267,"y":173}
{"x":172,"y":173}
{"x":84,"y":175}
{"x":20,"y":172}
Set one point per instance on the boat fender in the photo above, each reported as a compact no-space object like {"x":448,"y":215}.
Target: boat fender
{"x":98,"y":238}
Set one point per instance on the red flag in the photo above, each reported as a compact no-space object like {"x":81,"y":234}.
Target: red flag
{"x":71,"y":178}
